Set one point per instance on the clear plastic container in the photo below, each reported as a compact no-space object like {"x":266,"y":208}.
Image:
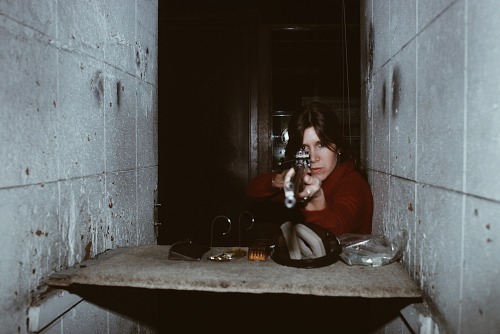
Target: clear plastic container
{"x":370,"y":250}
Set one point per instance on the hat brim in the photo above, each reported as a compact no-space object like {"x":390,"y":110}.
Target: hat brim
{"x":282,"y":257}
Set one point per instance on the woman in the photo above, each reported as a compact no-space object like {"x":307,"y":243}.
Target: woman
{"x":336,"y":195}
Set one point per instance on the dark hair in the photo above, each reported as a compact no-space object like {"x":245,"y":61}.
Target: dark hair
{"x":328,"y":128}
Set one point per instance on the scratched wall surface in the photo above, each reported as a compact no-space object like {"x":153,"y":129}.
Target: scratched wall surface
{"x":78,"y":134}
{"x":431,"y":100}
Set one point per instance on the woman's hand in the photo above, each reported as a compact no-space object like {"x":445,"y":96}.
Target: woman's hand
{"x":312,"y":194}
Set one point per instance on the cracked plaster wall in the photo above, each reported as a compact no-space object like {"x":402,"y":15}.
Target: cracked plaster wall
{"x":78,"y":133}
{"x":431,"y":100}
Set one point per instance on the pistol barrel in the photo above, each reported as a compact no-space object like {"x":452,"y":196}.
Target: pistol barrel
{"x":296,"y":185}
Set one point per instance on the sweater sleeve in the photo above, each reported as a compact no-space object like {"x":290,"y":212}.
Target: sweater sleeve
{"x":261,"y":187}
{"x":349,"y":207}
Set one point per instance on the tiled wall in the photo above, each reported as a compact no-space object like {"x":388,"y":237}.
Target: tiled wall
{"x":78,"y":152}
{"x":431,"y":98}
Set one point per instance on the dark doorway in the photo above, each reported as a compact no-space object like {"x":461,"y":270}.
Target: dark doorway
{"x":204,"y":125}
{"x":224,"y":69}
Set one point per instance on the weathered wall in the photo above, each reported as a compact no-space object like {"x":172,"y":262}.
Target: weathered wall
{"x":431,"y":103}
{"x":78,"y":152}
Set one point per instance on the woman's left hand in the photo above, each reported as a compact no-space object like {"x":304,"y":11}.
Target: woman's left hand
{"x":312,"y":189}
{"x":312,"y":195}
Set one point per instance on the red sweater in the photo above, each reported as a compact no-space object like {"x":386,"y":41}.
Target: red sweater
{"x":349,"y":201}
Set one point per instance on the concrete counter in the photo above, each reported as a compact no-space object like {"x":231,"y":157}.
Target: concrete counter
{"x":148,"y":266}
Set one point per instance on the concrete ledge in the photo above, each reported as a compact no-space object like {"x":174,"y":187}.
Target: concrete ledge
{"x":148,"y":266}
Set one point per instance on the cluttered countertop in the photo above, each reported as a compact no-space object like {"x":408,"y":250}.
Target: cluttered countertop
{"x":149,"y":266}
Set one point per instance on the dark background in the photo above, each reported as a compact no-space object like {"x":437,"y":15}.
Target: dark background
{"x":224,"y":68}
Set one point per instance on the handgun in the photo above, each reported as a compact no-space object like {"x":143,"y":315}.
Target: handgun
{"x":296,"y":184}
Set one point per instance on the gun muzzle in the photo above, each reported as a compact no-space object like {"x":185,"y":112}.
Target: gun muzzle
{"x":296,"y":185}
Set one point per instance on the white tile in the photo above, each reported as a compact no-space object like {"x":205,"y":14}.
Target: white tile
{"x":146,"y":51}
{"x":402,"y":204}
{"x":86,"y":318}
{"x":81,"y":213}
{"x":147,"y":125}
{"x":381,"y":118}
{"x":82,"y":27}
{"x":147,"y":192}
{"x":365,"y":126}
{"x":380,"y":185}
{"x":438,"y":241}
{"x":418,"y":318}
{"x":38,"y":15}
{"x":440,"y":102}
{"x":121,"y":219}
{"x":481,"y":278}
{"x":429,"y":10}
{"x":30,"y":246}
{"x":121,"y":35}
{"x":53,"y":304}
{"x":403,"y":141}
{"x":28,"y":117}
{"x":483,"y":100}
{"x":403,"y":23}
{"x":81,"y":135}
{"x":120,"y":120}
{"x":147,"y":15}
{"x":121,"y":324}
{"x":54,"y":328}
{"x":381,"y":34}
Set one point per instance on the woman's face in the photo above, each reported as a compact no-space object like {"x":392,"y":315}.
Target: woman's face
{"x":323,"y":159}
